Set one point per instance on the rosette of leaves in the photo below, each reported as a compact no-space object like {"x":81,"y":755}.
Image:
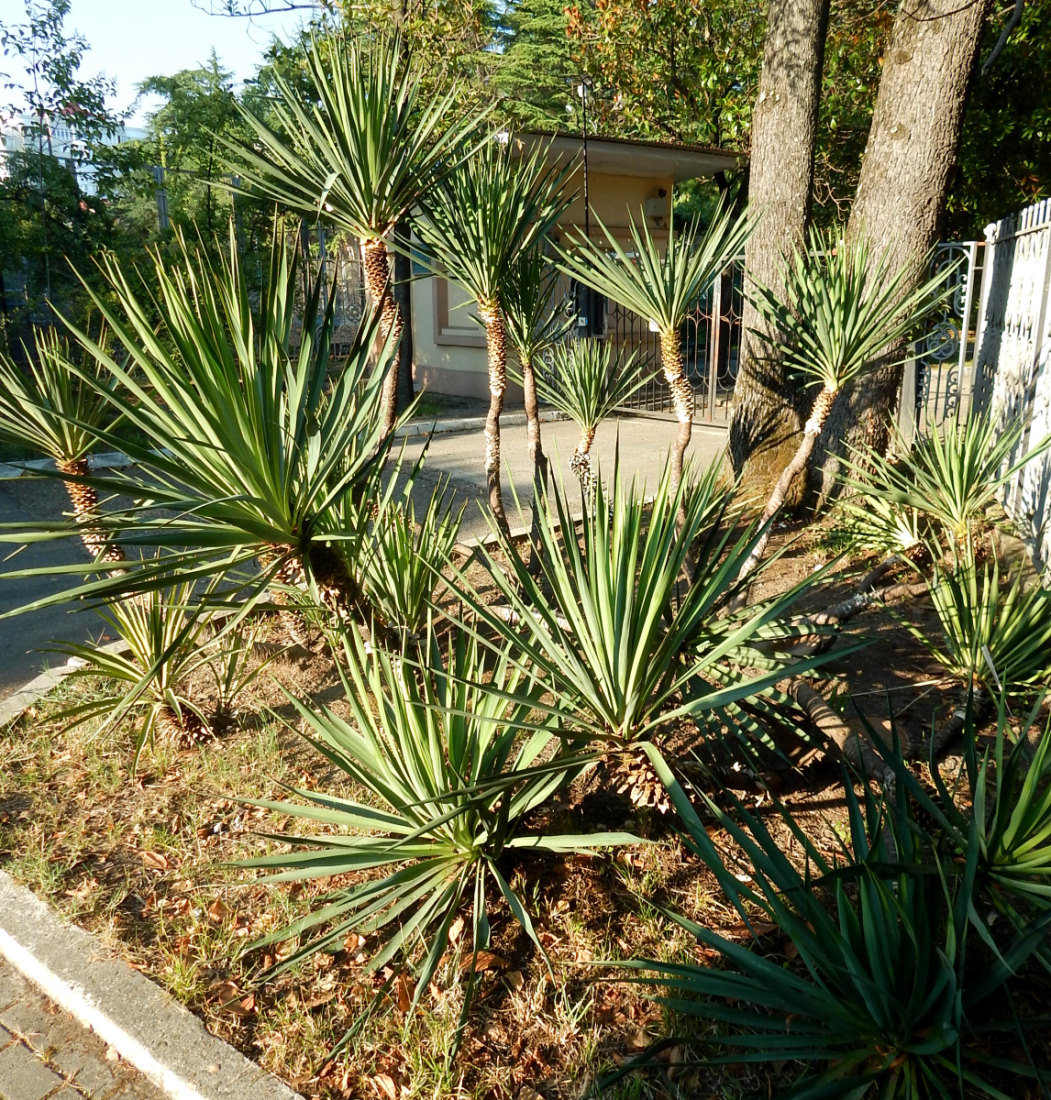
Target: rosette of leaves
{"x":50,"y":410}
{"x":889,"y":995}
{"x":250,"y":442}
{"x":943,"y":487}
{"x":586,"y":380}
{"x":453,"y":764}
{"x":166,"y":638}
{"x":624,"y":639}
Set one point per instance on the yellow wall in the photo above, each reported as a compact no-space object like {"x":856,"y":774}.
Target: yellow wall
{"x":449,"y":345}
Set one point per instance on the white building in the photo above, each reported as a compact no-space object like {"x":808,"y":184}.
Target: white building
{"x":59,"y":139}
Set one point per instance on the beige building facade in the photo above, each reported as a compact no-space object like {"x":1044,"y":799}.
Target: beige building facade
{"x":624,"y":179}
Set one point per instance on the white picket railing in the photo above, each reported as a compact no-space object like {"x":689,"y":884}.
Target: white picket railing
{"x":1013,"y":360}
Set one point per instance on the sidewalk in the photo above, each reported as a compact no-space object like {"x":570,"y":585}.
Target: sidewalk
{"x":103,"y":1018}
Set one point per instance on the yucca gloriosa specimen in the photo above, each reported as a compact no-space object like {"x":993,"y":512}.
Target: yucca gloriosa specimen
{"x":168,"y":637}
{"x":53,"y":411}
{"x":612,"y":626}
{"x":587,"y":380}
{"x":495,"y":207}
{"x":840,"y":308}
{"x":662,"y":286}
{"x":244,"y":439}
{"x":453,"y":762}
{"x":359,"y":155}
{"x":950,"y":475}
{"x":890,"y":992}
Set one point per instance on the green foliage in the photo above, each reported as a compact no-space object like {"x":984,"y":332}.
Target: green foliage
{"x":587,"y":380}
{"x":452,"y":765}
{"x":494,"y":208}
{"x":890,"y":992}
{"x":993,"y":636}
{"x":407,"y":557}
{"x":606,"y":621}
{"x":241,"y":434}
{"x":50,"y":409}
{"x":840,"y":308}
{"x":661,"y":282}
{"x":950,"y":476}
{"x":532,"y":312}
{"x":362,"y":148}
{"x":165,"y":632}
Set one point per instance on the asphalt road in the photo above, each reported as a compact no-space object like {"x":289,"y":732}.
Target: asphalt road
{"x":643,"y":445}
{"x":22,"y":638}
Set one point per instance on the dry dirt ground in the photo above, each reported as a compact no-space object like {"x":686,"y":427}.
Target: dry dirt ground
{"x":144,"y":859}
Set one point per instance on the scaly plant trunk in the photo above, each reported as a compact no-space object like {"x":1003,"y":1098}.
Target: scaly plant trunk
{"x":580,"y":463}
{"x":85,"y":502}
{"x":536,"y":454}
{"x":812,"y":429}
{"x":496,"y":353}
{"x":377,"y":282}
{"x":682,"y":399}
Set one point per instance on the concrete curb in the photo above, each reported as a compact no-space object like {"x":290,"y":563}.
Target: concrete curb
{"x":147,"y":1027}
{"x":15,"y":705}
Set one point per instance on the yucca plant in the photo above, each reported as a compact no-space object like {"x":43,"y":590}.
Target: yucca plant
{"x":404,"y":566}
{"x":839,"y":310}
{"x":994,"y":637}
{"x":661,"y":285}
{"x":610,"y":623}
{"x":1004,"y":816}
{"x":167,"y":634}
{"x":359,"y":152}
{"x":453,"y":764}
{"x":535,"y":322}
{"x":890,"y":996}
{"x":244,"y":438}
{"x":950,"y":476}
{"x":54,"y":412}
{"x":586,"y":380}
{"x":488,"y":213}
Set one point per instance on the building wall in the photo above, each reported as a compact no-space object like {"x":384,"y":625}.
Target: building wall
{"x":449,"y":343}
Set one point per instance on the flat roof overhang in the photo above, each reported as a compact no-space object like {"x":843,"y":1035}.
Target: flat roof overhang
{"x":627,"y":157}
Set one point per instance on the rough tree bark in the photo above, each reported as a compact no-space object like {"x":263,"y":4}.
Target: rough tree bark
{"x":496,"y":353}
{"x":381,"y":300}
{"x":769,"y":412}
{"x":905,"y":175}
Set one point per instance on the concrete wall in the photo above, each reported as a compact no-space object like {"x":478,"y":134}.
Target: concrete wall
{"x":449,"y":342}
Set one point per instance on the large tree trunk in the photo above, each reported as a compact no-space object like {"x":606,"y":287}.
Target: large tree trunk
{"x":381,"y":299}
{"x":909,"y":160}
{"x":496,"y":353}
{"x":769,"y":410}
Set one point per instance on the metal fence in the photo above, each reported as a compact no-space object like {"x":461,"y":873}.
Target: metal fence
{"x":1013,"y":361}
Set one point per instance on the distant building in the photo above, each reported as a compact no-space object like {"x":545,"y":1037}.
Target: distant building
{"x":60,"y":140}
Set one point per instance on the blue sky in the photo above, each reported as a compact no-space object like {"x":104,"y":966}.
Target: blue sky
{"x":132,"y":39}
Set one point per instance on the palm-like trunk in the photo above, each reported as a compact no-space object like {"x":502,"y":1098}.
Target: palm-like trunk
{"x":496,"y":353}
{"x":377,"y":282}
{"x":536,"y":447}
{"x":682,"y":399}
{"x":85,"y":502}
{"x":818,"y":415}
{"x":580,"y":463}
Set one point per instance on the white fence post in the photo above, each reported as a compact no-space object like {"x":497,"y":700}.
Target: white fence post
{"x":1013,"y":361}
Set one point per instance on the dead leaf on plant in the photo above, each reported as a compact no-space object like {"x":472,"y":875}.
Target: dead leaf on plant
{"x":219,"y":911}
{"x":385,"y":1086}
